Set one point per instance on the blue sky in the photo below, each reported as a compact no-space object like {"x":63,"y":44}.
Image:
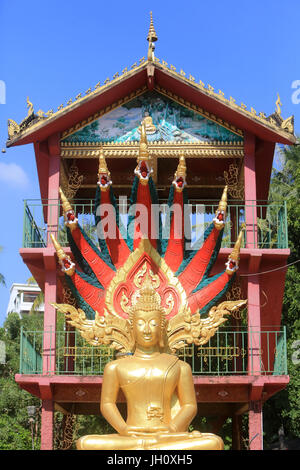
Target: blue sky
{"x":52,"y":50}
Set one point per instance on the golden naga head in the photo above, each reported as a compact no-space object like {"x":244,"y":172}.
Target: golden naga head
{"x":69,"y":214}
{"x":104,"y":180}
{"x":232,"y":264}
{"x":143,"y":169}
{"x":180,"y":175}
{"x":219,"y":219}
{"x":67,"y":265}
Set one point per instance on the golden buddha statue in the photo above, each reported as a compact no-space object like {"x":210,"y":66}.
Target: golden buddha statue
{"x":148,"y":123}
{"x":158,"y":388}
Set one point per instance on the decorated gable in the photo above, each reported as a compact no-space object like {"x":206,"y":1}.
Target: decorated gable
{"x":165,"y":120}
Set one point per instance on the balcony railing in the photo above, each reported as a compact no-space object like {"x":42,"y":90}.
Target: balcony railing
{"x":266,"y":224}
{"x":230,"y":351}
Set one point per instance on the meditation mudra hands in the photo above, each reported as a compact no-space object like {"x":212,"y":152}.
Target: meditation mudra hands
{"x":138,"y":431}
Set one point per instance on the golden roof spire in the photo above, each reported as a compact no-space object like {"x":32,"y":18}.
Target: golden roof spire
{"x":152,"y":36}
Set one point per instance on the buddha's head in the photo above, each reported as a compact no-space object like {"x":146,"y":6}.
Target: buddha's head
{"x":147,"y":318}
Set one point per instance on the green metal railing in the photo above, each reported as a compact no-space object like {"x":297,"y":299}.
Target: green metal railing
{"x":229,"y":352}
{"x":267,"y":222}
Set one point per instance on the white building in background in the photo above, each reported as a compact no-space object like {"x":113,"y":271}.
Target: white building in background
{"x":22,"y":297}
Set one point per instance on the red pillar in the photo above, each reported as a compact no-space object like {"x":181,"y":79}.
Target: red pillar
{"x":254,"y":326}
{"x":49,"y":317}
{"x":250,"y":191}
{"x":53,"y":187}
{"x":49,"y":340}
{"x":255,"y":426}
{"x":254,"y":357}
{"x":47,"y":425}
{"x":254,"y":320}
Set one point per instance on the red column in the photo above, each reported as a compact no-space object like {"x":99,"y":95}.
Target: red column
{"x":49,"y":340}
{"x":49,"y":316}
{"x":254,"y":321}
{"x":47,"y":425}
{"x":254,"y":326}
{"x":250,"y":191}
{"x":53,"y":187}
{"x":49,"y":256}
{"x":255,"y":426}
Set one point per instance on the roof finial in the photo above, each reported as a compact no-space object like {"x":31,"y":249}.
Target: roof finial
{"x":29,"y":106}
{"x":151,"y":38}
{"x":278,"y":105}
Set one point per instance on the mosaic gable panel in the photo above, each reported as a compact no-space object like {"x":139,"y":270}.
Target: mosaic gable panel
{"x":166,"y":121}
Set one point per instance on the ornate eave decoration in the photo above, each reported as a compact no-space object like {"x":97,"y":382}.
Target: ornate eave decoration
{"x":162,"y":91}
{"x":203,"y":149}
{"x":34,"y":121}
{"x":279,"y":124}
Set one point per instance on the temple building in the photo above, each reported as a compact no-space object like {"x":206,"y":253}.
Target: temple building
{"x":224,"y":144}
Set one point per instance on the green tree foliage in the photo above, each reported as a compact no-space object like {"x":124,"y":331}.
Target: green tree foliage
{"x":15,"y":431}
{"x":283,"y":409}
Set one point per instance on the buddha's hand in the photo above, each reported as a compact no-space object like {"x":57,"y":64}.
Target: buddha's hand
{"x":135,"y":431}
{"x":167,"y":429}
{"x":131,"y":431}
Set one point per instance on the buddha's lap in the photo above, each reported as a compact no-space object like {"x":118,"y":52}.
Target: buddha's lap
{"x":194,"y":440}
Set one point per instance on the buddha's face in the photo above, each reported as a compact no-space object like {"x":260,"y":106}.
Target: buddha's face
{"x":147,"y":328}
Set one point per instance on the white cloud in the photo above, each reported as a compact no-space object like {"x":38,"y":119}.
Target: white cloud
{"x":13,"y":174}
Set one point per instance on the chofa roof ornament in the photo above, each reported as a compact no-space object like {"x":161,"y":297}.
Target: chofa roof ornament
{"x":151,"y":38}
